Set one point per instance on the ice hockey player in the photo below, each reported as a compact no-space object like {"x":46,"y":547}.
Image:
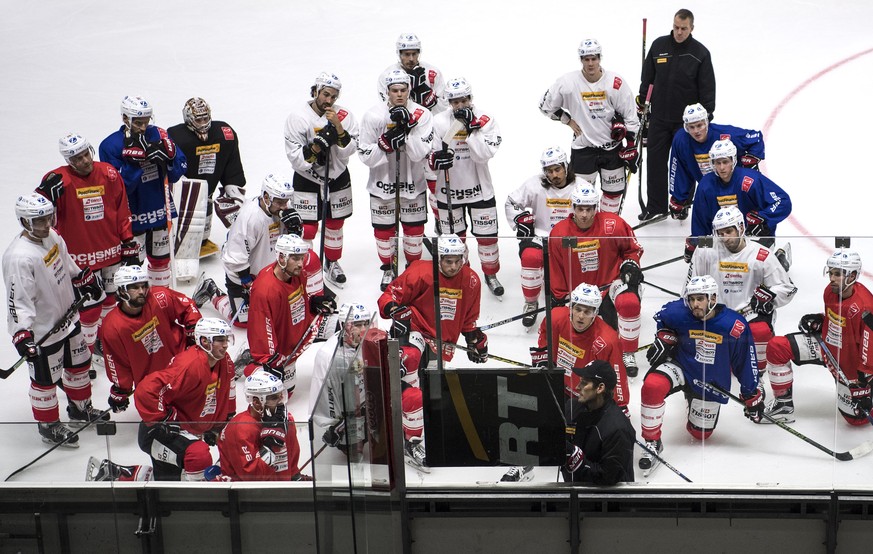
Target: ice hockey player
{"x":282,"y":312}
{"x":249,"y":248}
{"x":532,"y":210}
{"x":845,"y":327}
{"x":42,"y":283}
{"x":689,"y":155}
{"x":211,"y":148}
{"x":409,"y":301}
{"x":750,"y":279}
{"x":600,"y":439}
{"x":461,"y":166}
{"x":397,"y":131}
{"x":426,"y":80}
{"x":607,"y":255}
{"x":598,"y":106}
{"x":149,"y":162}
{"x":579,"y":336}
{"x":94,"y":218}
{"x":185,"y":406}
{"x":260,"y":443}
{"x":312,"y":130}
{"x":141,"y":335}
{"x":763,"y":203}
{"x":698,"y":340}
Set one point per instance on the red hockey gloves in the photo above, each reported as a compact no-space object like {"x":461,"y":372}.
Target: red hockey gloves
{"x":477,"y":341}
{"x":539,"y":356}
{"x":631,"y":273}
{"x":754,"y":409}
{"x":292,"y":221}
{"x":630,"y":154}
{"x":678,"y":210}
{"x":663,"y":347}
{"x":129,"y":253}
{"x":811,"y":324}
{"x":690,"y":247}
{"x":750,"y":161}
{"x":401,"y":317}
{"x":163,"y":151}
{"x":619,"y":129}
{"x":119,"y":399}
{"x":575,"y":457}
{"x":441,"y":159}
{"x":25,"y":344}
{"x":392,"y":139}
{"x":762,"y":300}
{"x":52,"y":187}
{"x":524,"y":225}
{"x":88,"y":283}
{"x":861,"y":398}
{"x":756,"y":226}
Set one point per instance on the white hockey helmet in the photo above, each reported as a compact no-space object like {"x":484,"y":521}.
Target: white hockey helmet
{"x":408,"y":41}
{"x":326,"y":79}
{"x":585,"y":195}
{"x":458,"y":87}
{"x":694,"y":113}
{"x":210,"y":327}
{"x":290,"y":245}
{"x":590,"y":47}
{"x":396,"y":77}
{"x":846,"y":259}
{"x":127,"y":275}
{"x":703,"y":284}
{"x":197,"y":115}
{"x":32,"y":206}
{"x":136,"y":106}
{"x":261,"y":384}
{"x":729,"y":216}
{"x":451,"y":245}
{"x":587,"y":295}
{"x":353,"y":313}
{"x":276,"y":186}
{"x":553,"y":155}
{"x":723,"y":149}
{"x":73,"y":144}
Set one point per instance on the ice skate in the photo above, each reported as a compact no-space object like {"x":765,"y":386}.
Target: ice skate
{"x":648,"y":462}
{"x":106,"y":470}
{"x":518,"y":474}
{"x":414,"y":454}
{"x":784,"y":256}
{"x":86,"y":414}
{"x":494,"y":286}
{"x":782,"y":409}
{"x":335,"y":273}
{"x":387,"y":277}
{"x":244,"y":359}
{"x":205,"y":290}
{"x":57,"y":433}
{"x":530,"y":318}
{"x":630,"y":364}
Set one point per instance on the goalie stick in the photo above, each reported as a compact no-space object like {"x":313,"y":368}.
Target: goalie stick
{"x":861,"y":450}
{"x":843,"y":379}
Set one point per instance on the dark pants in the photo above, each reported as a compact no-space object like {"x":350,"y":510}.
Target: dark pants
{"x":657,"y":160}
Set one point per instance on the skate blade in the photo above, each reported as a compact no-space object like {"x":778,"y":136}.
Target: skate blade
{"x":67,"y":444}
{"x":417,"y":467}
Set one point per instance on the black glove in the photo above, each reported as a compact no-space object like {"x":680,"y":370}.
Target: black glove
{"x":334,"y":434}
{"x":211,"y":437}
{"x":275,"y":428}
{"x":401,"y":317}
{"x":392,"y":139}
{"x":52,"y":187}
{"x":619,"y":129}
{"x":441,"y":159}
{"x":524,"y":225}
{"x":641,"y":106}
{"x":134,"y":147}
{"x":558,"y":301}
{"x":166,"y":430}
{"x":163,"y":151}
{"x":129,"y":253}
{"x":421,"y":92}
{"x":663,"y":347}
{"x":34,"y":355}
{"x":754,"y":409}
{"x":292,"y":221}
{"x":860,"y":394}
{"x":539,"y":356}
{"x":678,"y":210}
{"x":750,"y":161}
{"x":313,"y":157}
{"x":326,"y":137}
{"x":87,"y":283}
{"x":400,"y":116}
{"x":468,"y":118}
{"x":757,"y":227}
{"x":762,"y":300}
{"x":575,"y":457}
{"x":630,"y":154}
{"x":321,"y":304}
{"x":631,"y":273}
{"x":811,"y":324}
{"x":273,"y":367}
{"x":119,"y":399}
{"x":477,"y":341}
{"x":690,"y":247}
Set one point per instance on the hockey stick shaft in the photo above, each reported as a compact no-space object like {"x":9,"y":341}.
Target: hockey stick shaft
{"x":454,"y":128}
{"x":168,"y":213}
{"x":395,"y":259}
{"x":662,"y":289}
{"x":647,"y":222}
{"x":662,"y":460}
{"x":665,"y":262}
{"x":325,"y":206}
{"x":843,"y":379}
{"x":59,"y":324}
{"x":313,"y":457}
{"x":642,"y":129}
{"x":511,"y":319}
{"x":63,"y":442}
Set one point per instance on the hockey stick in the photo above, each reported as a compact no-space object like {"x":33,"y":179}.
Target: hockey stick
{"x":168,"y":205}
{"x":311,"y":458}
{"x":99,"y":417}
{"x":395,"y":259}
{"x":325,"y":203}
{"x":662,"y":460}
{"x":511,"y":319}
{"x":655,"y":219}
{"x":59,"y":324}
{"x":454,"y":128}
{"x":861,"y":450}
{"x":668,"y":291}
{"x":843,"y":379}
{"x":644,"y":122}
{"x":665,"y":262}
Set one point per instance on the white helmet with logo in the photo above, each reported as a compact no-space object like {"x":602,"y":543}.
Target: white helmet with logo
{"x":458,"y":88}
{"x":136,"y":106}
{"x":408,"y":41}
{"x":277,"y":187}
{"x":847,"y":260}
{"x":553,"y":155}
{"x":290,"y":245}
{"x":587,"y":295}
{"x":451,"y":245}
{"x":32,"y":206}
{"x":396,"y":77}
{"x":73,"y":144}
{"x":262,"y":384}
{"x":694,"y":113}
{"x":723,"y":149}
{"x":729,"y":216}
{"x":325,"y":79}
{"x":585,"y":195}
{"x":590,"y":47}
{"x":210,"y":327}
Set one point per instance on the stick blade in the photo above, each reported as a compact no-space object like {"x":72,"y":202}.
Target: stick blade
{"x":860,"y":450}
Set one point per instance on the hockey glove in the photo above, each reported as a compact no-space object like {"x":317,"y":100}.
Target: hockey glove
{"x":129,"y":253}
{"x":400,"y":116}
{"x":559,"y":301}
{"x":575,"y":457}
{"x":861,"y":398}
{"x":641,"y":106}
{"x":326,"y":137}
{"x":334,"y":434}
{"x":401,"y":317}
{"x":34,"y":355}
{"x":524,"y":225}
{"x":441,"y":159}
{"x":539,"y":356}
{"x":466,"y":116}
{"x":133,"y":147}
{"x":166,"y":430}
{"x":762,"y":300}
{"x":392,"y":139}
{"x":619,"y":129}
{"x":275,"y":427}
{"x":234,"y":192}
{"x":750,"y":161}
{"x":313,"y":157}
{"x":663,"y":347}
{"x":811,"y":324}
{"x":421,"y":92}
{"x":210,"y":437}
{"x":630,"y":154}
{"x":273,"y":365}
{"x":246,"y":280}
{"x":690,"y":247}
{"x":321,"y":304}
{"x":477,"y":341}
{"x":631,"y":273}
{"x":678,"y":210}
{"x":292,"y":221}
{"x":757,"y":227}
{"x":52,"y":187}
{"x":754,"y":409}
{"x":88,"y":283}
{"x":119,"y":399}
{"x":163,"y":151}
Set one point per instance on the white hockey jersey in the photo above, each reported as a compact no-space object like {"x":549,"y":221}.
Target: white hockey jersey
{"x":469,"y":176}
{"x":301,"y":127}
{"x":412,"y":155}
{"x":592,"y":106}
{"x":548,"y":205}
{"x":39,"y":288}
{"x":332,"y":366}
{"x":434,"y":78}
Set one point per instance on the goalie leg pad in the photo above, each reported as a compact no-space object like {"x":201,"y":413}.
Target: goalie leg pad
{"x":191,"y":199}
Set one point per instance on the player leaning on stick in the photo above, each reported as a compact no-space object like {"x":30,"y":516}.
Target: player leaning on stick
{"x":42,"y":283}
